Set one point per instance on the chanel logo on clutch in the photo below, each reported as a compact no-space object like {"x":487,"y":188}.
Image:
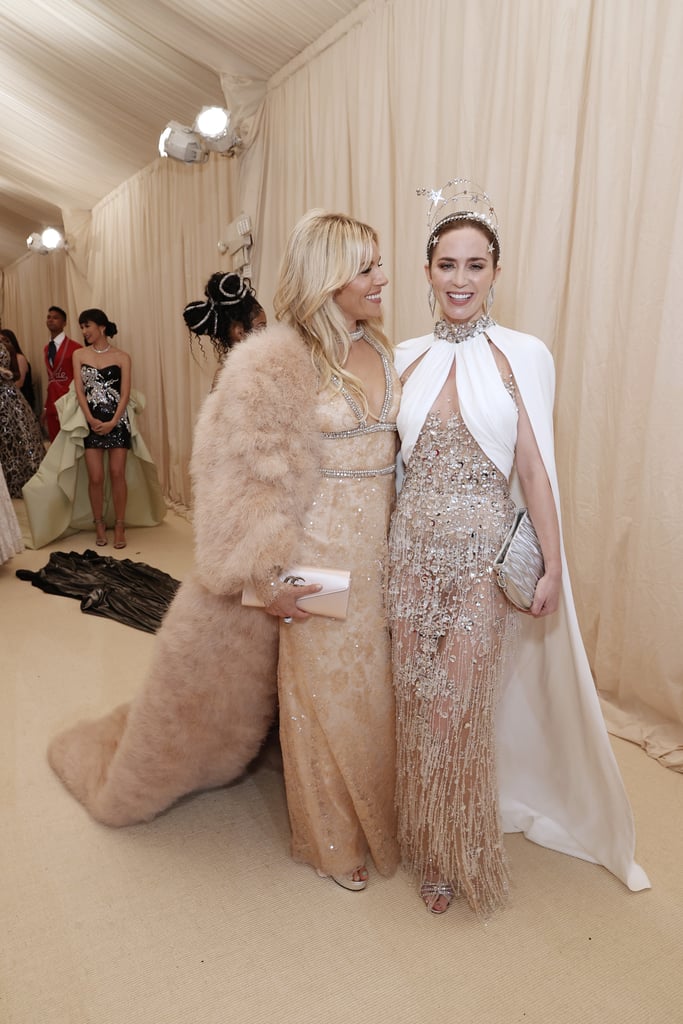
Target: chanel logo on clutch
{"x":331,"y":600}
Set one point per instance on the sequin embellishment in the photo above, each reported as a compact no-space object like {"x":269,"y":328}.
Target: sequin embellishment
{"x":451,"y":634}
{"x":363,"y":427}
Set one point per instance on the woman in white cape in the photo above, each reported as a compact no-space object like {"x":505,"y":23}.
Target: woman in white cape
{"x":499,"y":725}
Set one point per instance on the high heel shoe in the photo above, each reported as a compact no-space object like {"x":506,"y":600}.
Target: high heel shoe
{"x":349,"y":883}
{"x":101,"y":530}
{"x":433,"y":892}
{"x":119,"y":534}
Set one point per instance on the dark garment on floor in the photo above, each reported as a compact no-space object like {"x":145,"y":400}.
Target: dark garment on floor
{"x":133,"y":593}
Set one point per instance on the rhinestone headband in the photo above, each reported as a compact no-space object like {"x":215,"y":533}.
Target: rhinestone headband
{"x":458,"y":199}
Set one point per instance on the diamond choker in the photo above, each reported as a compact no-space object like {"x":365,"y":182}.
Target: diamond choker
{"x":457,"y":333}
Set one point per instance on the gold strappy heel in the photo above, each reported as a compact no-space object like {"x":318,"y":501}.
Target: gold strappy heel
{"x":101,"y":538}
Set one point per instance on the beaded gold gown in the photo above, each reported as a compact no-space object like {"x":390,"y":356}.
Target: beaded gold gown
{"x":337,"y":724}
{"x":451,"y":629}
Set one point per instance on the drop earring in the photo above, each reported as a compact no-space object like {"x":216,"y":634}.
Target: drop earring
{"x":489,"y":299}
{"x":431,"y":299}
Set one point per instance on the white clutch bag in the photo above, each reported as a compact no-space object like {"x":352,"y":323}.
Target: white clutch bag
{"x":332,"y":601}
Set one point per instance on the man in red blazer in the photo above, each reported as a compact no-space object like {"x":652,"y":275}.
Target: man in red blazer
{"x":60,"y":372}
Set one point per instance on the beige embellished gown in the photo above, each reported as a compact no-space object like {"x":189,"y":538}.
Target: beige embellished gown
{"x":452,"y":629}
{"x":337,"y":722}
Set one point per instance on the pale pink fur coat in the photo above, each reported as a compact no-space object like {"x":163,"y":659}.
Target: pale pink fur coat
{"x":210,"y":694}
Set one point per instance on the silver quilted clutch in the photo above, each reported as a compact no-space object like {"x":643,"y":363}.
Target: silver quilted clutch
{"x":518,"y":566}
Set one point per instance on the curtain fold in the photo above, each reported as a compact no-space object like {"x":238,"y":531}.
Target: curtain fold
{"x":31,"y":285}
{"x":157,"y":245}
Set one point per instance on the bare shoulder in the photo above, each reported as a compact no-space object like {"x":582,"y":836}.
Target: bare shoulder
{"x":121,"y":359}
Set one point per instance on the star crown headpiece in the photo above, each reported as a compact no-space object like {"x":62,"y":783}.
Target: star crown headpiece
{"x":459,"y":199}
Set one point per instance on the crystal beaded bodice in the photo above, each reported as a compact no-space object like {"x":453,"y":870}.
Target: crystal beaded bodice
{"x":347,"y":432}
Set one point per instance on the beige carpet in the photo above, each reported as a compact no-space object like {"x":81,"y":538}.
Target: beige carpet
{"x":201,"y":917}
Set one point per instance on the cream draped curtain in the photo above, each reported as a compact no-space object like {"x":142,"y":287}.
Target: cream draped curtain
{"x":568,"y":114}
{"x":157,"y":239}
{"x":29,"y":286}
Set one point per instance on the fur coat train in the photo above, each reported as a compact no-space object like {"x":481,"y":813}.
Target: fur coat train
{"x":210,"y":695}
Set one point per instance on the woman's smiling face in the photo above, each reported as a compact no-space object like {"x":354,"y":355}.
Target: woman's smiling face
{"x":461,"y":272}
{"x":93,"y":334}
{"x":361,"y":299}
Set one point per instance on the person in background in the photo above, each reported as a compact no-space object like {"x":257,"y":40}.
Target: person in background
{"x":98,"y":417}
{"x":229,"y":312}
{"x":102,"y":385}
{"x":11,"y":541}
{"x":499,"y":726}
{"x":21,"y":442}
{"x":58,"y":353}
{"x":24,"y":380}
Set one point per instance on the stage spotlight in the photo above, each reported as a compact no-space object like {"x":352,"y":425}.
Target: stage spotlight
{"x":35,"y":244}
{"x":182,"y":143}
{"x":45,"y":242}
{"x":53,"y":239}
{"x":213,"y":124}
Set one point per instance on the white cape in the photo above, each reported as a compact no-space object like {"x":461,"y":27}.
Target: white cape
{"x":559,"y":782}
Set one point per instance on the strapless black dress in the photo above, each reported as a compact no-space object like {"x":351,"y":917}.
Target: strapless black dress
{"x":103,"y":393}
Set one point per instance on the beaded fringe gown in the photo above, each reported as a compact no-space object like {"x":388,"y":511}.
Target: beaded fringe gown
{"x":336,"y":700}
{"x":451,"y":630}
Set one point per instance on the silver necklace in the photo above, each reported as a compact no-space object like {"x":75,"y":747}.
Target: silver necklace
{"x":101,"y":351}
{"x":457,"y":333}
{"x":357,"y":334}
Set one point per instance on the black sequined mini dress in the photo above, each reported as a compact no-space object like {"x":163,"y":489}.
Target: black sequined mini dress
{"x":103,"y":393}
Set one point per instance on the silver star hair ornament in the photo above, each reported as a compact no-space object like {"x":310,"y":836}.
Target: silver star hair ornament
{"x":459,"y":199}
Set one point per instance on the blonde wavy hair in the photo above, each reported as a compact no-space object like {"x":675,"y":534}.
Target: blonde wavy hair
{"x":324,"y":253}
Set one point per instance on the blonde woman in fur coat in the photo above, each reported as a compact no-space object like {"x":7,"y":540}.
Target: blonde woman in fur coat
{"x":293,"y":463}
{"x":335,"y":689}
